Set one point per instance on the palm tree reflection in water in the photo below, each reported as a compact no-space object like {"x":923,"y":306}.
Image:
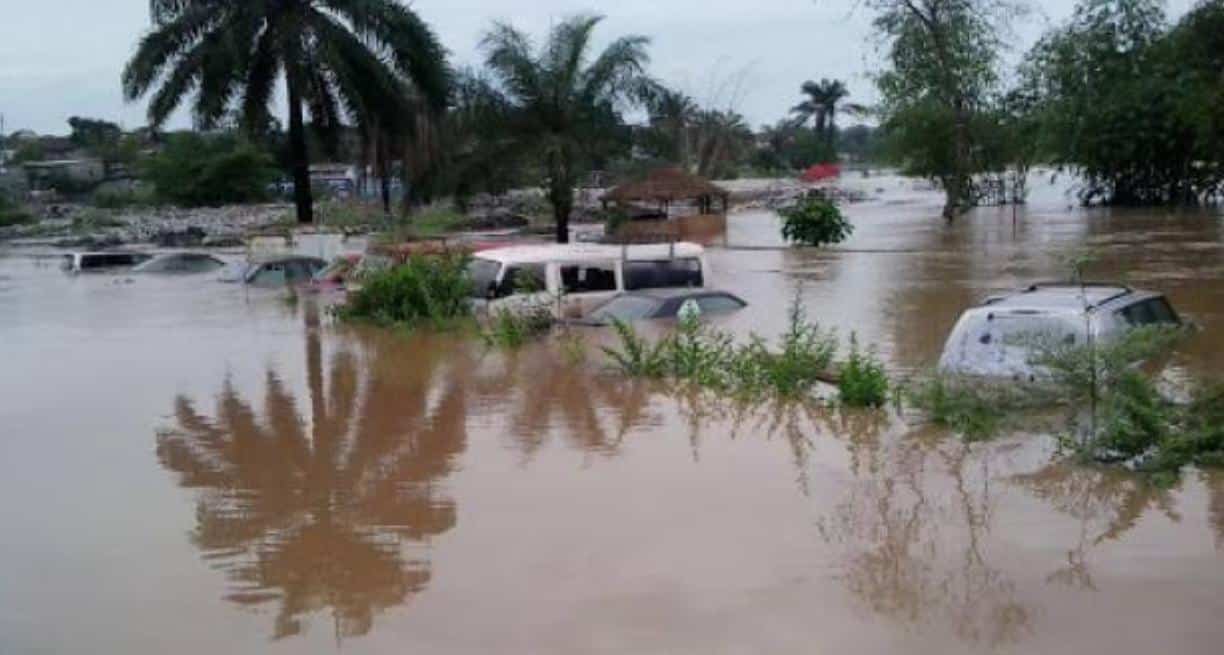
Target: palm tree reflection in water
{"x":337,"y":517}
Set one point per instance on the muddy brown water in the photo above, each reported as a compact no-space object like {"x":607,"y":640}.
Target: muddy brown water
{"x":192,"y":467}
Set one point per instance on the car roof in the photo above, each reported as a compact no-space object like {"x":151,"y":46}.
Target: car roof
{"x":538,"y":254}
{"x":1065,"y":298}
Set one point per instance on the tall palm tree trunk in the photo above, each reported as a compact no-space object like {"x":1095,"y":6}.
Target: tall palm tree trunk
{"x":561,"y":194}
{"x":298,"y":155}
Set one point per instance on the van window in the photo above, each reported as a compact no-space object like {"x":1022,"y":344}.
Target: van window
{"x":484,"y":276}
{"x":663,"y":274}
{"x":588,"y":278}
{"x":1152,"y":311}
{"x":523,"y":278}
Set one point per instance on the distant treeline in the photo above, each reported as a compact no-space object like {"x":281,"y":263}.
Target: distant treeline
{"x":1131,"y":104}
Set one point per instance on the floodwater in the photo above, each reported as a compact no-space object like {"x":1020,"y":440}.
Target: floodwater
{"x":193,"y":467}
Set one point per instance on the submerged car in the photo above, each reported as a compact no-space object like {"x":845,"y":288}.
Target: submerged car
{"x":996,"y":338}
{"x":181,"y":263}
{"x":276,"y":271}
{"x":663,"y":304}
{"x":99,"y":262}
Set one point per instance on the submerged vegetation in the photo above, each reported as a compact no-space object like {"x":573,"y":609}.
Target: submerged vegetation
{"x":426,"y":290}
{"x":703,"y":357}
{"x":815,"y":221}
{"x":1118,"y":412}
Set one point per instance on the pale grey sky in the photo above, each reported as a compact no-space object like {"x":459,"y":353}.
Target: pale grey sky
{"x":60,"y":58}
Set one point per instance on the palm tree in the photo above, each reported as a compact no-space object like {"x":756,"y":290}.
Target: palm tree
{"x":339,"y":59}
{"x":822,"y":104}
{"x":561,"y":104}
{"x":673,"y":114}
{"x":722,"y":137}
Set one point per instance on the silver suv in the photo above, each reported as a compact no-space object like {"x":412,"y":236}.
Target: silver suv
{"x":988,"y":340}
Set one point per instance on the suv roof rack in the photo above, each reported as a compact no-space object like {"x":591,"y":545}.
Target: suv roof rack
{"x":1036,"y":286}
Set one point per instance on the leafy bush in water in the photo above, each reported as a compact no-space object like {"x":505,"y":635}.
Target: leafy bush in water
{"x":863,"y":381}
{"x":972,"y":408}
{"x":805,"y":358}
{"x":513,"y":328}
{"x":698,"y":355}
{"x":815,"y":221}
{"x":637,"y":356}
{"x":433,"y":289}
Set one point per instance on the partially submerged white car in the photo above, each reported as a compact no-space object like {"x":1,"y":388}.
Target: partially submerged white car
{"x":573,"y":279}
{"x":990,"y":340}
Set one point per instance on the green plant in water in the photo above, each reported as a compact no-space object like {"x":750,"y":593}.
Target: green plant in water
{"x":510,"y":328}
{"x":637,"y":356}
{"x":975,"y":409}
{"x":805,"y":358}
{"x":427,"y":289}
{"x":815,"y":221}
{"x":863,"y":381}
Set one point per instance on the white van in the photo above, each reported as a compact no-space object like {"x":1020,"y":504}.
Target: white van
{"x":575,"y":278}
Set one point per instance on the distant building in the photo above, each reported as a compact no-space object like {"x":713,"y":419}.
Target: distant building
{"x":336,"y":178}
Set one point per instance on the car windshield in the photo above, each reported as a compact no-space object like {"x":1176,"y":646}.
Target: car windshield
{"x":625,"y":308}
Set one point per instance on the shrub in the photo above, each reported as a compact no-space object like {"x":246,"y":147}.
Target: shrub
{"x":637,"y":357}
{"x":698,"y":355}
{"x":805,"y":358}
{"x":972,"y":409}
{"x":10,"y":214}
{"x":511,"y":328}
{"x":196,"y":170}
{"x":863,"y":381}
{"x":426,"y":289}
{"x":815,"y":221}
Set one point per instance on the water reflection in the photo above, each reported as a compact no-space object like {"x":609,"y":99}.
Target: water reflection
{"x":1107,"y":503}
{"x":332,"y":511}
{"x":913,"y":533}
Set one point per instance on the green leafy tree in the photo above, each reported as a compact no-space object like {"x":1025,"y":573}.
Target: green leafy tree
{"x":815,"y":221}
{"x":561,"y":104}
{"x":196,"y":170}
{"x":941,"y":72}
{"x":339,"y":59}
{"x":1132,"y":106}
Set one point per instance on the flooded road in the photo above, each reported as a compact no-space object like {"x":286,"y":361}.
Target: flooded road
{"x":193,"y":467}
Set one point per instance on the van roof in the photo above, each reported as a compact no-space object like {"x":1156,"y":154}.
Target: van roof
{"x":1064,"y":298}
{"x":535,"y":254}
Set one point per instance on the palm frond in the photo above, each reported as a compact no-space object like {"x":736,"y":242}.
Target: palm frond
{"x":411,"y":45}
{"x":508,"y":54}
{"x":616,"y":73}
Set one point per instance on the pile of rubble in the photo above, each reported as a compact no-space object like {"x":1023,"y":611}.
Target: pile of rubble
{"x":78,"y":226}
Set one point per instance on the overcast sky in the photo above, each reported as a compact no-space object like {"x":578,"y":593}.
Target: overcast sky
{"x":60,"y":58}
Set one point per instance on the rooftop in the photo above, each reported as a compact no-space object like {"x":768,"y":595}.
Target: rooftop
{"x":665,"y":184}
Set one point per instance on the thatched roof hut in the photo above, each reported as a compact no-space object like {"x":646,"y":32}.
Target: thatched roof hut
{"x":667,"y":185}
